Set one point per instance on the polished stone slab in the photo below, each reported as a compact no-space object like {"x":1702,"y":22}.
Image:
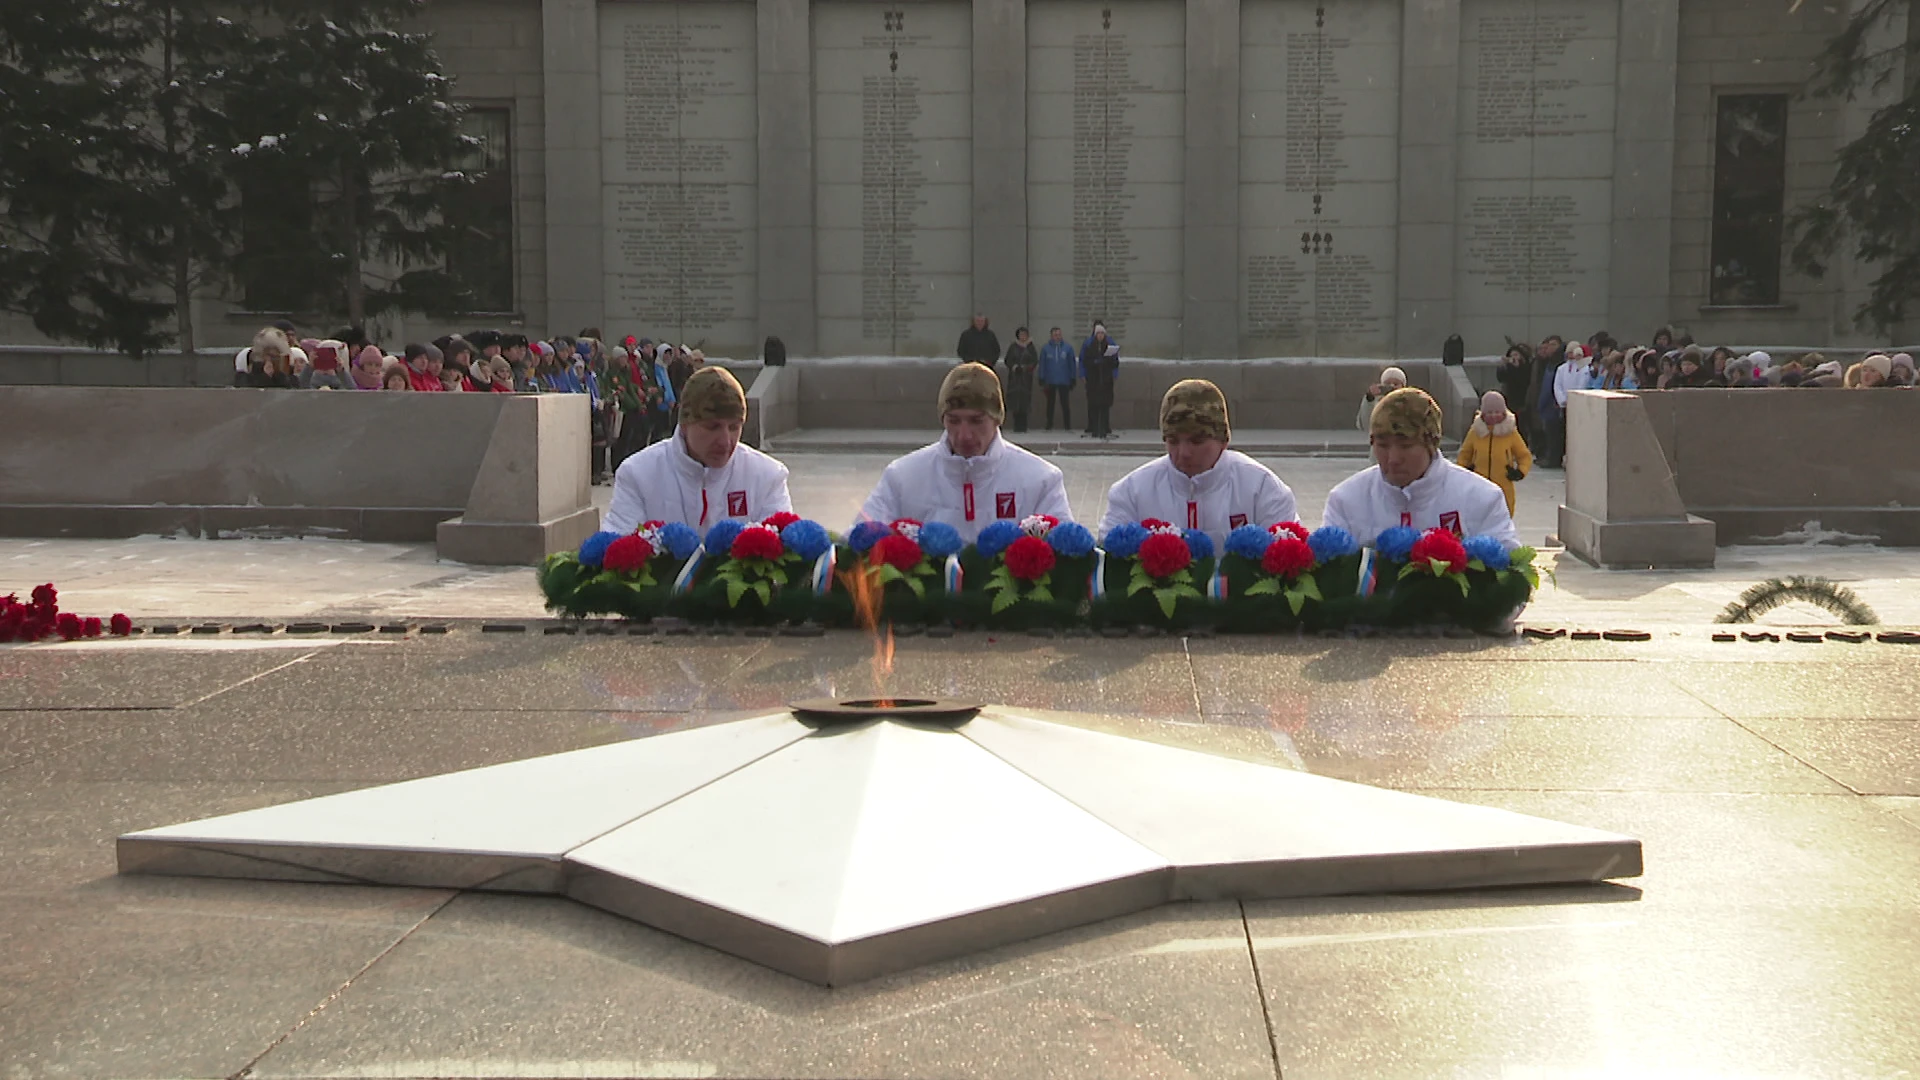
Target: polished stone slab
{"x":844,"y":852}
{"x":1870,"y":757}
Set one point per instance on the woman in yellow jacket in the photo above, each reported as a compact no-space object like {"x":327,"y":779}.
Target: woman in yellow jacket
{"x":1494,"y":448}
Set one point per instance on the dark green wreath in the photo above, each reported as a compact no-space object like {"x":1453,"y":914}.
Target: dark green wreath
{"x":1821,"y":593}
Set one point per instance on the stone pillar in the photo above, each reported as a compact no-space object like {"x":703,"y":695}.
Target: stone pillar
{"x":1640,"y":283}
{"x":785,"y":274}
{"x":999,"y":164}
{"x":1429,"y":115}
{"x":576,"y":284}
{"x":1852,"y":279}
{"x":1210,"y":247}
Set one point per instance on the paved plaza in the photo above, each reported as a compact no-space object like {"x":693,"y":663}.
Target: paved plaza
{"x":1775,"y":786}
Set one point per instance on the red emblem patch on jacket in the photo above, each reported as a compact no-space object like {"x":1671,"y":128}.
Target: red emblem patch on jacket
{"x":1450,"y":521}
{"x":1003,"y":505}
{"x":1236,"y":521}
{"x":736,"y":504}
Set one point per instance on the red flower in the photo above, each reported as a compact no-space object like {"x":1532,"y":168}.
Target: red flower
{"x":756,"y":543}
{"x":90,"y":626}
{"x":782,"y":519}
{"x":68,"y":625}
{"x":1029,"y":557}
{"x":44,"y":597}
{"x":1293,"y":528}
{"x":896,"y":551}
{"x":1288,"y":557}
{"x":1155,"y":523}
{"x":1441,"y":545}
{"x":627,"y":555}
{"x":120,"y":625}
{"x":1165,"y":554}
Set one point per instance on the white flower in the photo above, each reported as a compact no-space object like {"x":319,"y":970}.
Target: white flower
{"x":908,"y":529}
{"x":1036,"y":525}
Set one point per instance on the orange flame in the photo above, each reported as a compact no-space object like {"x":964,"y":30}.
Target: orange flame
{"x":863,"y":585}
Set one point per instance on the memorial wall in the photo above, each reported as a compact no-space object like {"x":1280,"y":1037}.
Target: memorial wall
{"x":1106,"y":142}
{"x":1524,"y":151}
{"x":1319,"y":176}
{"x":893,"y":137}
{"x":680,"y":169}
{"x":1535,"y":167}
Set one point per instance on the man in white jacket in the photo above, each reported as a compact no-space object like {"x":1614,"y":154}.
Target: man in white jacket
{"x":1199,"y":483}
{"x":1575,"y":374}
{"x":972,"y":476}
{"x":1412,"y":484}
{"x":702,"y":475}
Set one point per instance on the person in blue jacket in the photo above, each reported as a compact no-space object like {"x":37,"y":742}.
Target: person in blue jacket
{"x":1059,"y":370}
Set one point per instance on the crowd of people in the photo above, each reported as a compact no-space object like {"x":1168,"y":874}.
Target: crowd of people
{"x":634,"y":386}
{"x":1057,"y":366}
{"x":1536,"y":379}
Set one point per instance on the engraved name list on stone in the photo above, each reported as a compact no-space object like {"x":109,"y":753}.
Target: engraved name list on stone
{"x":1319,"y":176}
{"x":1535,"y":188}
{"x":681,"y":121}
{"x":893,"y":189}
{"x":1106,"y":124}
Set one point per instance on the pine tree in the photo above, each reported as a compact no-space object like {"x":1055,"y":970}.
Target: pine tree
{"x":1871,"y":209}
{"x":357,"y":110}
{"x":71,"y":174}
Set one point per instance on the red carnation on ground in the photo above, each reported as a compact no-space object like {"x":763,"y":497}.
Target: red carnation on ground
{"x":627,"y":555}
{"x":1165,"y":554}
{"x":1441,"y":545}
{"x":756,"y":544}
{"x":120,"y":625}
{"x":896,"y":551}
{"x":90,"y":626}
{"x":1288,"y":557}
{"x":1029,"y":557}
{"x":44,"y":597}
{"x":782,"y":519}
{"x":1292,"y":528}
{"x":68,"y":625}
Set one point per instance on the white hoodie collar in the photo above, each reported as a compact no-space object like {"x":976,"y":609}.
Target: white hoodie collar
{"x":1207,"y":481}
{"x":693,"y":469}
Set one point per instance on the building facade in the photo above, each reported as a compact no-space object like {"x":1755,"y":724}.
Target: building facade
{"x":1215,"y":178}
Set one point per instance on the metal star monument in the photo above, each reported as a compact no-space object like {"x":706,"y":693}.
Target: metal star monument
{"x":840,"y":841}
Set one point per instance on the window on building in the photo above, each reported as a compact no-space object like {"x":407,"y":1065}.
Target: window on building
{"x":1749,"y":199}
{"x":480,"y":256}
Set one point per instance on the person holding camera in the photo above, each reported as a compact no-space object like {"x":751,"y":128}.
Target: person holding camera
{"x":1494,"y":448}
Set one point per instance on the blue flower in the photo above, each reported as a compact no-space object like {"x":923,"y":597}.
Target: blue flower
{"x":1249,"y":542}
{"x":1396,"y":543}
{"x":593,"y":550}
{"x":1330,"y":542}
{"x":866,"y":534}
{"x":680,"y":538}
{"x":995,"y":538}
{"x":1199,"y":543}
{"x":1071,"y":539}
{"x":1490,"y":551}
{"x":1123,"y":541}
{"x":806,"y":539}
{"x":720,"y":538}
{"x":940,"y":540}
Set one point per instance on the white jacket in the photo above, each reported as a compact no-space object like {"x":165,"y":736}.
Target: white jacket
{"x":664,"y":483}
{"x":1236,"y":491}
{"x":933,"y":483}
{"x":1570,"y":377}
{"x":1448,"y":497}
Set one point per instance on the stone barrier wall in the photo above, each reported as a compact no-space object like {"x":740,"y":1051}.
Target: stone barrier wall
{"x":112,"y":462}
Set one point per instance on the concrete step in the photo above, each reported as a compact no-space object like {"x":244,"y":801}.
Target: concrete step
{"x":1303,"y":442}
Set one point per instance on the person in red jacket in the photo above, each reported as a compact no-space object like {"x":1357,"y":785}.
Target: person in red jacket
{"x":423,"y":373}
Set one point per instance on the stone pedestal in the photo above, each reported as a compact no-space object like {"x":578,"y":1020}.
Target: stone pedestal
{"x":1623,"y":507}
{"x":532,"y":495}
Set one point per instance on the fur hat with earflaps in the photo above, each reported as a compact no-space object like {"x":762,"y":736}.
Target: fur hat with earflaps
{"x":1411,"y":412}
{"x":1194,"y":407}
{"x":712,"y":393}
{"x":972,"y":386}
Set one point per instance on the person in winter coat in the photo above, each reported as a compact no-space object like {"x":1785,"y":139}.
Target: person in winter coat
{"x":1412,"y":483}
{"x":1512,"y":375}
{"x":1100,"y":367}
{"x":1022,"y":360}
{"x":1199,"y":483}
{"x":1494,"y":448}
{"x":1547,"y":357}
{"x":1390,"y":380}
{"x":978,"y":344}
{"x":702,"y":475}
{"x":1059,"y":369}
{"x":972,"y":475}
